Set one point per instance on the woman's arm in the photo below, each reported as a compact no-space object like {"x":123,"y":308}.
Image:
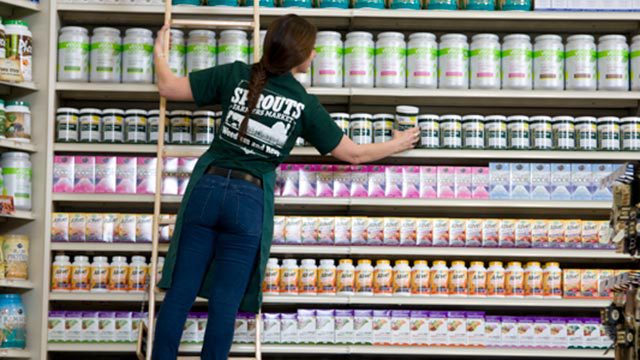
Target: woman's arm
{"x":350,"y":152}
{"x":170,"y":86}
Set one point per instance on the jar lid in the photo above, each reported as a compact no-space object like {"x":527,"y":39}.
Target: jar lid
{"x":112,"y":112}
{"x":64,"y":258}
{"x":517,"y":37}
{"x":422,"y":36}
{"x":153,"y":112}
{"x":428,"y":117}
{"x":453,"y":37}
{"x":548,"y":37}
{"x":106,"y":31}
{"x":363,"y":34}
{"x":337,"y":116}
{"x":495,"y":263}
{"x":361,"y":116}
{"x":136,"y":112}
{"x":408,"y":110}
{"x":439,"y":262}
{"x":177,"y":33}
{"x":533,"y":264}
{"x":181,"y":113}
{"x":327,"y":262}
{"x":308,"y":262}
{"x":518,"y":118}
{"x":450,"y":117}
{"x":635,"y":38}
{"x":204,"y":33}
{"x":620,"y":38}
{"x":100,"y":259}
{"x":119,"y":259}
{"x":477,"y":263}
{"x":383,"y":262}
{"x":18,"y":103}
{"x":16,"y":22}
{"x":67,"y":110}
{"x":402,"y":262}
{"x":420,"y":263}
{"x":139,"y":32}
{"x":581,"y":37}
{"x":239,"y":33}
{"x":138,"y":259}
{"x":383,"y":117}
{"x":364,"y":262}
{"x":331,"y":34}
{"x":457,"y":263}
{"x":17,"y":155}
{"x":346,"y":262}
{"x":514,"y":263}
{"x":206,"y":113}
{"x":540,"y":118}
{"x":473,"y":118}
{"x":608,"y":119}
{"x":586,"y":119}
{"x":485,"y":37}
{"x":391,"y":34}
{"x":552,"y":264}
{"x":90,"y":111}
{"x":81,"y":258}
{"x":563,"y":119}
{"x":74,"y":29}
{"x":630,"y":120}
{"x":492,"y":118}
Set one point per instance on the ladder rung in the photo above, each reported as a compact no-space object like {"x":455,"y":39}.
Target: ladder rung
{"x":188,"y":152}
{"x":194,"y":23}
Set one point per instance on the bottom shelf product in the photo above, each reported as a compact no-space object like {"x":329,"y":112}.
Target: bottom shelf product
{"x":13,"y":322}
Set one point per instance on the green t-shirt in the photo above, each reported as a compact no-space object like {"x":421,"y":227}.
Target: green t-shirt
{"x":284,"y":112}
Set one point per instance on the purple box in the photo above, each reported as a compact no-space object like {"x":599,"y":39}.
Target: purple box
{"x":63,"y":174}
{"x":428,"y":182}
{"x":324,"y":180}
{"x":307,"y":180}
{"x":359,"y":180}
{"x":106,"y":174}
{"x":341,"y":180}
{"x":146,"y":175}
{"x":84,"y":174}
{"x":125,"y":175}
{"x":480,"y":182}
{"x":393,"y":182}
{"x":376,"y":184}
{"x":290,"y":179}
{"x":411,"y":182}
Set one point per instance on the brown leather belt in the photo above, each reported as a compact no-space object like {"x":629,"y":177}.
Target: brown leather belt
{"x":235,"y":174}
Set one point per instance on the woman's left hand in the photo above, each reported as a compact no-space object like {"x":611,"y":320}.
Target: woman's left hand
{"x":158,"y":48}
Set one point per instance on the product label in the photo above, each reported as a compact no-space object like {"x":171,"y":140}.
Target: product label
{"x":73,"y":57}
{"x":105,"y":58}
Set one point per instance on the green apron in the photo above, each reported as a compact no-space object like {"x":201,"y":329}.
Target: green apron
{"x":253,"y":295}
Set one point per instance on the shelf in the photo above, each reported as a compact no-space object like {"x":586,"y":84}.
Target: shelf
{"x":107,"y":198}
{"x":371,"y":19}
{"x":110,"y":297}
{"x":104,"y":148}
{"x":99,"y":247}
{"x":383,"y":96}
{"x":16,"y":284}
{"x":17,"y":145}
{"x":18,"y":215}
{"x":15,"y":354}
{"x":128,"y":347}
{"x":22,"y":5}
{"x":10,"y":90}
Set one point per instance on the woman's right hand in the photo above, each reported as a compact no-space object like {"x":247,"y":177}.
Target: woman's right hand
{"x":406,"y":139}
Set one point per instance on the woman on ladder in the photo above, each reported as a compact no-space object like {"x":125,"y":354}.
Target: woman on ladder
{"x":223,"y":233}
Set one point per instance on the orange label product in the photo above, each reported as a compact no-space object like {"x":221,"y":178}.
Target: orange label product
{"x":383,"y":279}
{"x":138,"y":274}
{"x":60,"y":277}
{"x":523,"y":233}
{"x":326,"y":280}
{"x":589,"y":283}
{"x":552,"y":281}
{"x":474,"y":232}
{"x":440,"y":232}
{"x":80,"y":277}
{"x":375,"y":231}
{"x":391,"y":232}
{"x":424,"y":232}
{"x":309,"y":230}
{"x":125,"y":228}
{"x":326,"y":230}
{"x":603,"y":275}
{"x":118,"y":277}
{"x":557,"y":231}
{"x":271,"y":285}
{"x":514,"y":280}
{"x":308,"y":279}
{"x":408,"y":232}
{"x":420,"y":278}
{"x":604,"y":234}
{"x":457,"y":232}
{"x":573,"y":234}
{"x":496,"y":280}
{"x":507,"y":236}
{"x":439,"y":278}
{"x":477,"y":279}
{"x":490,"y":232}
{"x":289,"y":277}
{"x":60,"y":227}
{"x":539,"y":233}
{"x":458,"y":279}
{"x":589,"y":234}
{"x":571,"y":283}
{"x":358,"y":230}
{"x":402,"y":278}
{"x":342,"y":231}
{"x":99,"y":277}
{"x":533,"y":280}
{"x":77,"y":227}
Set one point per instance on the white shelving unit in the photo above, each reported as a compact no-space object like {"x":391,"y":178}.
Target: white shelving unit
{"x":14,"y":354}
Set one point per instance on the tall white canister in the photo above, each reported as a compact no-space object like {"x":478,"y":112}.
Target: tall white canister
{"x":453,"y":62}
{"x":391,"y":60}
{"x":613,"y":63}
{"x":327,"y":65}
{"x":422,"y":61}
{"x":358,"y":59}
{"x":484,"y":61}
{"x":16,"y":172}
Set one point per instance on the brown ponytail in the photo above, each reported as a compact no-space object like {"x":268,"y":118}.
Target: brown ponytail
{"x":289,"y":42}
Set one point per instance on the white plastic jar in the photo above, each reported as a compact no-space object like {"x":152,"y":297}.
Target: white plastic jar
{"x":484,"y":61}
{"x":346,"y":278}
{"x":364,"y":278}
{"x":289,"y":275}
{"x":17,"y":172}
{"x":495,"y":129}
{"x":99,"y":275}
{"x":263,"y":35}
{"x":233,"y":46}
{"x":308,"y":277}
{"x":204,"y":127}
{"x":271,"y":285}
{"x":342,"y":120}
{"x":517,"y":68}
{"x":118,"y":274}
{"x":390,"y":60}
{"x":80,"y":274}
{"x":358,"y":59}
{"x":552,"y":281}
{"x":406,"y":117}
{"x":420,"y":278}
{"x":453,"y":62}
{"x":402,"y":278}
{"x":458,"y":276}
{"x":564,"y":133}
{"x":496,"y":279}
{"x":422,"y":61}
{"x":327,"y":65}
{"x":18,"y":121}
{"x":61,"y":274}
{"x":429,"y":125}
{"x":137,"y":56}
{"x":201,"y":50}
{"x":477,"y":279}
{"x":609,"y":133}
{"x":613,"y":63}
{"x":177,"y":53}
{"x":383,"y":278}
{"x":541,"y":130}
{"x":473,"y":132}
{"x":586,"y":133}
{"x":90,"y":125}
{"x":630,"y":133}
{"x":19,"y":44}
{"x":361,"y":128}
{"x":112,"y":126}
{"x":518,"y":132}
{"x":135,"y":123}
{"x":451,"y":131}
{"x":327,"y":277}
{"x":138,"y":271}
{"x":73,"y":54}
{"x":548,"y":63}
{"x":153,"y":118}
{"x":382,"y":128}
{"x":533,"y":280}
{"x":634,"y":60}
{"x":67,"y":124}
{"x":106,"y":55}
{"x":581,"y":63}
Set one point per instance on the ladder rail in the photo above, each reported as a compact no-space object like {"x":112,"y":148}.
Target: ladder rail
{"x":160,"y":152}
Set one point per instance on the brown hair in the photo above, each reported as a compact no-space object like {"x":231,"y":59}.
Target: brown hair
{"x":289,"y":42}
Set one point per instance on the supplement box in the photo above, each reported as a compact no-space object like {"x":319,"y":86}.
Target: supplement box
{"x":271,"y":328}
{"x":510,"y":336}
{"x":560,"y":181}
{"x":359,"y":181}
{"x":342,"y":230}
{"x":441,"y":232}
{"x":144,"y":228}
{"x":289,"y":328}
{"x":123,"y":326}
{"x":391,"y":231}
{"x":558,"y":329}
{"x":107,"y":326}
{"x":146,"y":176}
{"x":540,"y":181}
{"x":526,"y":332}
{"x":170,"y":176}
{"x":475,"y":327}
{"x":410,"y":182}
{"x":581,"y":181}
{"x":60,"y":227}
{"x":125,"y":175}
{"x":73,"y":326}
{"x":571,"y":283}
{"x":344,"y":327}
{"x":84,"y":174}
{"x":341,"y":180}
{"x":490,"y":232}
{"x":520,"y":181}
{"x":95,"y":227}
{"x":325,"y":327}
{"x":589,"y":234}
{"x":326,"y":227}
{"x":63,"y":174}
{"x":507,"y":235}
{"x":424,"y":232}
{"x":463,"y":182}
{"x":457,"y":235}
{"x":375,"y":231}
{"x":557,"y":233}
{"x":499,"y":181}
{"x":278,"y":229}
{"x":572,"y":235}
{"x":306,"y":326}
{"x":604,"y":274}
{"x":480,"y":182}
{"x":438,"y":334}
{"x":492,"y":331}
{"x":359,"y":230}
{"x":324,"y":181}
{"x":125,"y":228}
{"x":408,"y":232}
{"x":363,"y":326}
{"x":293,"y":230}
{"x":185,"y":168}
{"x":393,"y":181}
{"x":539,"y":233}
{"x":106,"y":174}
{"x":381,"y":327}
{"x":428,"y":182}
{"x":589,"y":283}
{"x":446,"y":182}
{"x":56,"y":330}
{"x":109,"y":227}
{"x":376,"y":187}
{"x":473,"y":232}
{"x":456,"y":328}
{"x":77,"y":227}
{"x":400,"y":327}
{"x":600,"y":171}
{"x":307,"y":180}
{"x":419,"y":328}
{"x":291,"y":176}
{"x":523,"y":234}
{"x":309,"y":230}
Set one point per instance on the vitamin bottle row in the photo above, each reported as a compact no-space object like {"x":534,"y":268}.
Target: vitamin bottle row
{"x":135,"y":126}
{"x":16,"y":43}
{"x":485,"y":63}
{"x":506,"y":5}
{"x":99,"y":275}
{"x":403,"y":280}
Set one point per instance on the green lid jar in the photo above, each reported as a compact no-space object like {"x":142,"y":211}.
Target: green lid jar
{"x":564,"y":133}
{"x":495,"y":129}
{"x":518,"y":132}
{"x":586,"y":133}
{"x":473,"y":131}
{"x":541,"y":132}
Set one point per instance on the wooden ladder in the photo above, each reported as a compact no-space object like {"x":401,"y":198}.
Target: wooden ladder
{"x":145,"y":340}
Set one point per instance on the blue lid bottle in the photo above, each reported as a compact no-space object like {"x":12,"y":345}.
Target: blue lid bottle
{"x":442,"y":4}
{"x":481,"y":5}
{"x":521,"y":5}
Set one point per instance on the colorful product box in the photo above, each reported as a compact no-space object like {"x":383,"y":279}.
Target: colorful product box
{"x":408,"y":232}
{"x":359,"y":181}
{"x":63,"y":174}
{"x":539,"y":233}
{"x":509,"y":336}
{"x":526,"y":335}
{"x":491,"y":232}
{"x":428,"y":182}
{"x":278,"y":229}
{"x":463,"y":183}
{"x":603,"y":275}
{"x":441,"y":232}
{"x":589,"y":234}
{"x":326,"y":226}
{"x":309,"y":230}
{"x":363,"y":326}
{"x":499,"y":181}
{"x":411,"y":182}
{"x":325,"y":327}
{"x":560,"y":181}
{"x":520,"y":183}
{"x":271,"y":328}
{"x":457,"y":234}
{"x":289,"y":326}
{"x":84,"y":174}
{"x":60,"y":227}
{"x":438,"y":330}
{"x":391,"y":231}
{"x":344,"y":327}
{"x":306,"y":326}
{"x":381,"y":327}
{"x":307,"y":180}
{"x":77,"y":227}
{"x":540,"y":181}
{"x":557,"y":233}
{"x":571,"y":283}
{"x":419,"y":328}
{"x":324,"y":180}
{"x":109,"y":227}
{"x":376,"y":187}
{"x":375,"y":231}
{"x":475,"y":324}
{"x":393,"y":181}
{"x":125,"y":228}
{"x":446,"y":182}
{"x":359,"y":230}
{"x":146,"y":176}
{"x":342,"y":181}
{"x":457,"y":328}
{"x":581,"y":181}
{"x":170,"y":176}
{"x":126,"y":175}
{"x":293,"y":230}
{"x":573,"y":234}
{"x":493,"y":331}
{"x":400,"y":327}
{"x":291,"y":178}
{"x":480,"y":182}
{"x":507,"y":235}
{"x":94,"y":227}
{"x":424,"y":232}
{"x":106,"y":174}
{"x":599,"y":172}
{"x":473,"y":232}
{"x":589,"y":283}
{"x":342,"y":230}
{"x":144,"y":228}
{"x":523,"y":233}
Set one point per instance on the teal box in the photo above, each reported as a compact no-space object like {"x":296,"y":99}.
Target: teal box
{"x":222,"y":2}
{"x":519,"y":5}
{"x":263,"y":3}
{"x":297,"y":3}
{"x":405,"y":4}
{"x":481,"y":5}
{"x":333,"y":4}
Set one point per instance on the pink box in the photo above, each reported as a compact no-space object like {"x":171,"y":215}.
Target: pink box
{"x":428,"y":182}
{"x":63,"y":173}
{"x":410,"y":181}
{"x":105,"y":174}
{"x":480,"y":182}
{"x":308,"y":177}
{"x":446,"y":182}
{"x":324,"y":180}
{"x":341,"y":180}
{"x":84,"y":174}
{"x":393,"y":181}
{"x":290,"y":179}
{"x":463,"y":180}
{"x":125,"y":175}
{"x":359,"y":180}
{"x":170,"y":176}
{"x":185,"y":168}
{"x":376,"y":181}
{"x":146,"y":175}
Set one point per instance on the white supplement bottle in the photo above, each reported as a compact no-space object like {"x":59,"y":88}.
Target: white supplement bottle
{"x":119,"y":274}
{"x":552,"y":281}
{"x":581,"y":63}
{"x":271,"y":281}
{"x":391,"y":60}
{"x":364,"y":278}
{"x":90,"y":125}
{"x":495,"y":129}
{"x":61,"y":274}
{"x":138,"y":270}
{"x":105,"y":55}
{"x":233,"y":46}
{"x":548,"y":63}
{"x":484,"y":62}
{"x":634,"y":59}
{"x":135,"y":124}
{"x":382,"y":128}
{"x":406,"y":117}
{"x":541,"y":130}
{"x":458,"y":275}
{"x":564,"y":133}
{"x":201,"y":50}
{"x":327,"y":277}
{"x":204,"y":127}
{"x":517,"y":67}
{"x":473,"y":132}
{"x":289,"y":273}
{"x":137,"y":56}
{"x":420,"y":278}
{"x":99,"y":274}
{"x":327,"y":65}
{"x":613,"y":63}
{"x":358,"y":59}
{"x":153,"y":118}
{"x":73,"y":54}
{"x":18,"y":42}
{"x":451,"y":131}
{"x":18,"y":121}
{"x":518,"y":132}
{"x":630,"y":133}
{"x":383,"y":278}
{"x":402,"y":278}
{"x":346,"y":278}
{"x":263,"y":34}
{"x":453,"y":62}
{"x":422,"y":61}
{"x":80,"y":270}
{"x":67,"y":124}
{"x":308,"y":279}
{"x":16,"y":172}
{"x":177,"y":53}
{"x":361,"y":128}
{"x":429,"y":125}
{"x":608,"y":133}
{"x":586,"y":133}
{"x":477,"y":279}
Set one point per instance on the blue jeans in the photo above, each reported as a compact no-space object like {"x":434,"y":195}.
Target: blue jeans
{"x":222,"y":222}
